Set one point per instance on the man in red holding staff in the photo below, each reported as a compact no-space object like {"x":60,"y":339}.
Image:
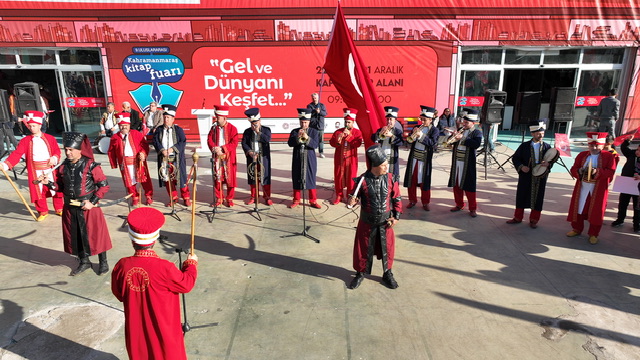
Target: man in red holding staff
{"x":148,"y":287}
{"x":345,"y":161}
{"x":128,"y":150}
{"x":593,"y":170}
{"x":42,"y":153}
{"x":222,"y":141}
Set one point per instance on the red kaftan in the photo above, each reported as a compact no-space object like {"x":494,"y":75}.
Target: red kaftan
{"x":597,"y":202}
{"x":149,"y":286}
{"x":345,"y":161}
{"x":229,"y":150}
{"x":25,"y":147}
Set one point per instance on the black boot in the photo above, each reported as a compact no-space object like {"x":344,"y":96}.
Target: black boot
{"x":85,"y":265}
{"x":356,"y":280}
{"x":389,"y":280}
{"x":103,"y":268}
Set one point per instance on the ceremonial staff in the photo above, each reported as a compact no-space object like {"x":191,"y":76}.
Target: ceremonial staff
{"x":19,"y":194}
{"x":194,"y":170}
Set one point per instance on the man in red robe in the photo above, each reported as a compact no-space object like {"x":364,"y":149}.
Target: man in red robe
{"x":345,"y":161}
{"x":42,"y":153}
{"x":222,"y":141}
{"x":81,"y":180}
{"x":148,"y":287}
{"x":128,"y":150}
{"x":593,"y":170}
{"x":379,"y":193}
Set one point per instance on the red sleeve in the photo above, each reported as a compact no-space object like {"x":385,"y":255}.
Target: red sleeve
{"x":113,"y":150}
{"x":358,"y":139}
{"x":577,"y":164}
{"x":334,"y":139}
{"x":182,"y":281}
{"x":15,"y":156}
{"x":99,"y":176}
{"x":210,"y":138}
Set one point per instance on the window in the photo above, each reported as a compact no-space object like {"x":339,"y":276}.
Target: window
{"x":603,"y":56}
{"x":482,"y":56}
{"x":521,"y":57}
{"x":79,"y":57}
{"x":561,"y":56}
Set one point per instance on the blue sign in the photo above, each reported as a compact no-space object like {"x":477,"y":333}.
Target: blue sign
{"x":153,"y":68}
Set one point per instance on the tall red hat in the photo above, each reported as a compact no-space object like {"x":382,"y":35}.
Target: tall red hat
{"x":349,"y":113}
{"x":144,"y":225}
{"x":33,"y":117}
{"x":221,"y":110}
{"x":597,"y":137}
{"x":123,"y":118}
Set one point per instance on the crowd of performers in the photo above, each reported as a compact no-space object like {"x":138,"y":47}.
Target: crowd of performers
{"x":77,"y":184}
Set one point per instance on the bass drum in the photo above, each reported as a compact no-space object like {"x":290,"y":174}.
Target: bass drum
{"x":101,"y":144}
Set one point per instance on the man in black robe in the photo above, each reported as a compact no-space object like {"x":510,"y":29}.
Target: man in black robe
{"x":463,"y":175}
{"x":170,"y":141}
{"x":530,"y":191}
{"x":390,"y":138}
{"x":304,"y":141}
{"x":255,"y":143}
{"x":424,"y":141}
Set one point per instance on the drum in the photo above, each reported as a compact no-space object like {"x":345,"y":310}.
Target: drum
{"x":551,"y":156}
{"x":101,"y":143}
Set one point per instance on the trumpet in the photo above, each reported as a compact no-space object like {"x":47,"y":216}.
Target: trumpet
{"x":453,"y":138}
{"x":302,"y":135}
{"x":386,"y":132}
{"x":415,"y":134}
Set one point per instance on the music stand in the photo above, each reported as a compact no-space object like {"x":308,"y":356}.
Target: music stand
{"x":305,"y":228}
{"x":486,"y":152}
{"x":210,"y":214}
{"x":521,"y":141}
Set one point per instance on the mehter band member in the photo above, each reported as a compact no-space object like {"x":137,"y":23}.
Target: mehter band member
{"x":390,"y":138}
{"x":83,"y":184}
{"x":424,"y":141}
{"x":223,"y":141}
{"x":170,"y":141}
{"x":345,"y":161}
{"x":304,"y":165}
{"x":463,"y":163}
{"x":531,"y":186}
{"x":593,"y":170}
{"x":381,"y":206}
{"x":255,"y":143}
{"x":41,"y":153}
{"x":128,"y":150}
{"x":149,"y":289}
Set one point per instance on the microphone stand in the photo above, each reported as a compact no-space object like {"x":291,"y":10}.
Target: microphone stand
{"x":257,"y":174}
{"x":305,"y":228}
{"x":210,"y":214}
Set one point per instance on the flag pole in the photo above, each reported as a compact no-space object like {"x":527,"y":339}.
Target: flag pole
{"x":326,"y":51}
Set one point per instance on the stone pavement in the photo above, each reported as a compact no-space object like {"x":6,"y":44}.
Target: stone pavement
{"x":469,"y":288}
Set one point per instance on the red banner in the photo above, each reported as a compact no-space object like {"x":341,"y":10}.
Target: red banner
{"x":83,"y":102}
{"x":589,"y":100}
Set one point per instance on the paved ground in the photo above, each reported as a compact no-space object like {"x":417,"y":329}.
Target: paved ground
{"x":469,"y":288}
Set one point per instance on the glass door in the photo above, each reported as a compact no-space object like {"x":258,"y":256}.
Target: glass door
{"x":83,"y":99}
